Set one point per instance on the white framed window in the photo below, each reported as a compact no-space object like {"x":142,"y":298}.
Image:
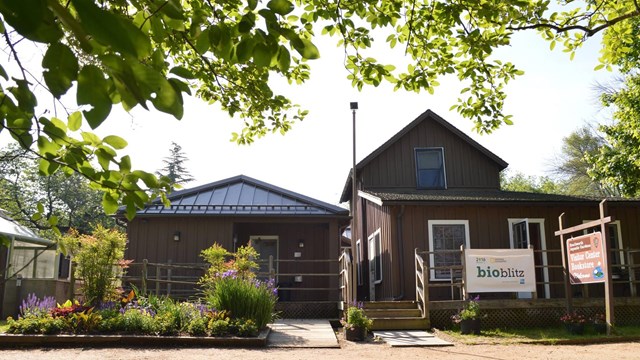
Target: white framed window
{"x":430,"y":170}
{"x":359,"y":261}
{"x":375,"y":257}
{"x":445,"y":236}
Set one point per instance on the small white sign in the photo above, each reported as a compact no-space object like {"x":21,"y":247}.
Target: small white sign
{"x":499,"y":270}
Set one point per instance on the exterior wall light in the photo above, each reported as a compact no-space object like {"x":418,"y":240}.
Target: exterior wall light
{"x":301,"y":243}
{"x":176,"y":236}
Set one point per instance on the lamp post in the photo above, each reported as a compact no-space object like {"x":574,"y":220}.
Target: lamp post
{"x":353,"y":106}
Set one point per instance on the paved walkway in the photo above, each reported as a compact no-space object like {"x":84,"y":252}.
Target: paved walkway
{"x":302,"y":333}
{"x":317,"y":333}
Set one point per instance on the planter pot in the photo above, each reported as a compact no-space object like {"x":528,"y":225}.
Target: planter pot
{"x":355,"y":334}
{"x":600,"y":328}
{"x":574,"y":329}
{"x":470,"y":326}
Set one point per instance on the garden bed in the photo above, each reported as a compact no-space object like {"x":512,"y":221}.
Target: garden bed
{"x":63,"y":340}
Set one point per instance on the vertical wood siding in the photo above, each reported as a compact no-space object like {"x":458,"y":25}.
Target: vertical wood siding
{"x":466,"y":167}
{"x":488,"y":228}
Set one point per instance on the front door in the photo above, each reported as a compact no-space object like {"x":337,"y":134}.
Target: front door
{"x":266,"y":246}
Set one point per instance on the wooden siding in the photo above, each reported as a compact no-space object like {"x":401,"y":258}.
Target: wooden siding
{"x":466,"y":167}
{"x":152,"y":239}
{"x":488,"y":228}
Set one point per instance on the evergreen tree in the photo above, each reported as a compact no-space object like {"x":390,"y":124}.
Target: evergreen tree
{"x":174,"y":168}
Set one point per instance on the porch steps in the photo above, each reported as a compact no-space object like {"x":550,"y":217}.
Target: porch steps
{"x":395,"y":315}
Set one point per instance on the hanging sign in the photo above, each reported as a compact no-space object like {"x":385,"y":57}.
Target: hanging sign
{"x":499,"y":270}
{"x":585,"y":256}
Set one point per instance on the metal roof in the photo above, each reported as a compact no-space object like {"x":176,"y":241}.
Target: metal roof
{"x":242,"y":195}
{"x":16,"y":231}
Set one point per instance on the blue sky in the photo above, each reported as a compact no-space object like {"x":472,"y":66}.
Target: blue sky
{"x":553,"y":98}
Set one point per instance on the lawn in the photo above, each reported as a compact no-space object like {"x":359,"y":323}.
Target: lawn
{"x":541,"y":335}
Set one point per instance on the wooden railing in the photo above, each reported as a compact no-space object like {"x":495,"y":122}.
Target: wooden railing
{"x":347,"y":280}
{"x":422,"y":285}
{"x":626,"y":273}
{"x":181,"y":280}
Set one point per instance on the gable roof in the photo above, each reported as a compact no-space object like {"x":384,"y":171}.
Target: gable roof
{"x":241,"y":195}
{"x":424,"y":116}
{"x":12,"y":229}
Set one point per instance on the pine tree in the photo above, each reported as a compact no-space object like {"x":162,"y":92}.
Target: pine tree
{"x":174,"y":167}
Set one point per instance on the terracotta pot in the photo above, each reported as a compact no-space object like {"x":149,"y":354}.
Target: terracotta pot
{"x":355,"y":334}
{"x":470,"y":326}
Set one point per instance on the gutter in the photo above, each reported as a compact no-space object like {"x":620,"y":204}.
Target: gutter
{"x":401,"y":252}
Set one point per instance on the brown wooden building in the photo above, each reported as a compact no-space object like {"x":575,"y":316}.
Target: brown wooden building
{"x":300,"y":233}
{"x":432,"y":188}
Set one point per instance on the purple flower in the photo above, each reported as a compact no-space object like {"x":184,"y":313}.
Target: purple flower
{"x":230,"y":273}
{"x":33,"y":306}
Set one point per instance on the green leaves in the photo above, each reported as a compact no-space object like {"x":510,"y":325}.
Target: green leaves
{"x":110,"y":29}
{"x":31,"y":19}
{"x":61,"y":69}
{"x":280,"y":7}
{"x":93,"y":89}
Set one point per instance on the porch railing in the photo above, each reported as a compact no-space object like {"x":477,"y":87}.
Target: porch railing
{"x":625,"y":273}
{"x":347,"y":281}
{"x":422,"y":285}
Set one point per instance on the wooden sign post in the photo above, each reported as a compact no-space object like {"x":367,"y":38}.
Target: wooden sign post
{"x":585,"y":260}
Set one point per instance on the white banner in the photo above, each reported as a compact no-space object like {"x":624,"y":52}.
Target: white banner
{"x":499,"y":270}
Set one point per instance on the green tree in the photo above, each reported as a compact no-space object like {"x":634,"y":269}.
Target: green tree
{"x":65,"y":201}
{"x":533,"y":184}
{"x":572,"y":165}
{"x":617,"y":164}
{"x":150,"y":53}
{"x":174,"y":167}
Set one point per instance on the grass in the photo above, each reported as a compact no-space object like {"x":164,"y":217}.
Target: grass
{"x":554,"y":335}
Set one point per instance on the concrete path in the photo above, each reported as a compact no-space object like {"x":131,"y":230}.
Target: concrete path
{"x":302,"y":333}
{"x":410,"y":338}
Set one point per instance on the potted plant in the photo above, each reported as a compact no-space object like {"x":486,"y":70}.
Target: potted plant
{"x":599,"y":323}
{"x":574,"y":322}
{"x":469,"y":317}
{"x":356,"y":324}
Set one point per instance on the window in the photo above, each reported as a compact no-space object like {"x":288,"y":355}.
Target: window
{"x":375,"y":257}
{"x":614,"y":243}
{"x":445,"y":236}
{"x":33,"y":261}
{"x":430,"y":172}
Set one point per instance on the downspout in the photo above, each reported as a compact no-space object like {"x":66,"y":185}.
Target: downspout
{"x":401,"y":252}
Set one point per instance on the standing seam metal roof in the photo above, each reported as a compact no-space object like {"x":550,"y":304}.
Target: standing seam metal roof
{"x":242,"y":195}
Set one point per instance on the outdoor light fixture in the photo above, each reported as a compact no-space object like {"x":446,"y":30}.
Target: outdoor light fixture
{"x":176,"y":236}
{"x":301,"y":243}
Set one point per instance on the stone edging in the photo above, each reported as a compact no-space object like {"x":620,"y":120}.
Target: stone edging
{"x":19,"y":341}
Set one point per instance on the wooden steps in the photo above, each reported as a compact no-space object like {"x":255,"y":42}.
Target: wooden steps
{"x":395,"y":315}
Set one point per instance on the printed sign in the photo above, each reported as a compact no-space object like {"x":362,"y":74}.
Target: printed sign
{"x":499,"y":270}
{"x":586,"y":259}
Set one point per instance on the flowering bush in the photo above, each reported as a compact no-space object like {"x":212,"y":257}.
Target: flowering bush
{"x":470,"y":311}
{"x":573,"y":318}
{"x":598,"y":318}
{"x":356,"y":318}
{"x":33,"y":306}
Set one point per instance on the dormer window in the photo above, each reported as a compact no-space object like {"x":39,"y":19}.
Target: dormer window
{"x":430,"y":168}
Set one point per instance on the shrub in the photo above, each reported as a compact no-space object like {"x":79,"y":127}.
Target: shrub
{"x":198,"y":327}
{"x":244,"y":327}
{"x":97,"y":257}
{"x":356,"y":318}
{"x":218,"y":327}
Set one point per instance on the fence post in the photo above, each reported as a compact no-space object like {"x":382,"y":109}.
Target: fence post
{"x":632,"y":274}
{"x":169,"y":277}
{"x":272,"y":271}
{"x":145,"y":270}
{"x":158,"y":276}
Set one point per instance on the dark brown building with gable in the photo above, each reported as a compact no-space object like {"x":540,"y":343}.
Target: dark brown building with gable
{"x":432,"y":188}
{"x":301,"y":234}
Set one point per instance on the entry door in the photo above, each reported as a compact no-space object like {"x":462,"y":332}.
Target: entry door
{"x":265,"y":246}
{"x":530,"y":232}
{"x":371,"y":250}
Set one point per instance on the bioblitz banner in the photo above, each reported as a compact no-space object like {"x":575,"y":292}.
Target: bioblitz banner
{"x":586,"y":259}
{"x":500,"y":270}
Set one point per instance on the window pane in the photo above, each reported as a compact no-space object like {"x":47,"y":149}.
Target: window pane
{"x":447,"y":237}
{"x":45,"y":264}
{"x":430,"y":168}
{"x":19,"y":259}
